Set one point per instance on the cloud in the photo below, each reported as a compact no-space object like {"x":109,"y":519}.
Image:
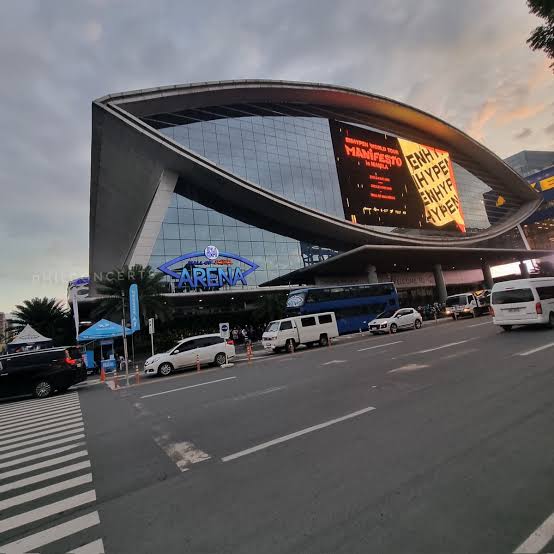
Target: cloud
{"x":524,"y":133}
{"x":549,"y":130}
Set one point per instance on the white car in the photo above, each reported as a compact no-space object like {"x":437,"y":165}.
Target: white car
{"x":392,"y":321}
{"x":206,"y":349}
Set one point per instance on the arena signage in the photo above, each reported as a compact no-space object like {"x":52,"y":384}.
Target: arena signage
{"x":208,"y":269}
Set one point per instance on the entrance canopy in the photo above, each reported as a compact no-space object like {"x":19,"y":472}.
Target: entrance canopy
{"x":103,"y":329}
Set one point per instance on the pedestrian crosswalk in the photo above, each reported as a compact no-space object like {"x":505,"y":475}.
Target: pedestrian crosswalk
{"x":47,"y":497}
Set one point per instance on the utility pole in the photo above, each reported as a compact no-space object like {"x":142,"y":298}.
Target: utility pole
{"x":124,"y":325}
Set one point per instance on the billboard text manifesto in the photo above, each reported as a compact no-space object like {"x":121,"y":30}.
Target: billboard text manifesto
{"x":393,"y":182}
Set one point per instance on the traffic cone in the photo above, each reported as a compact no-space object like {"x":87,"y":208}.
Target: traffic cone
{"x":137,"y":375}
{"x":197,"y":362}
{"x":102,"y":375}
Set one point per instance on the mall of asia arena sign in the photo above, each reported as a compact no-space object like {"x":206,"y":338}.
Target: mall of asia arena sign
{"x":210,"y":269}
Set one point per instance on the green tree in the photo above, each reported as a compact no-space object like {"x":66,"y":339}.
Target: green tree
{"x":48,"y":316}
{"x":542,"y":37}
{"x":150,"y":289}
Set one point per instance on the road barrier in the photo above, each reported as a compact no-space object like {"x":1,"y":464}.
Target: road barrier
{"x":197,"y":362}
{"x":115,"y":381}
{"x":137,"y":375}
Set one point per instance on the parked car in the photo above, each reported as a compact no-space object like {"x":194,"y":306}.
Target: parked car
{"x":523,"y":302}
{"x":41,"y":372}
{"x":392,"y":321}
{"x":207,"y":349}
{"x":468,"y":304}
{"x":290,"y":332}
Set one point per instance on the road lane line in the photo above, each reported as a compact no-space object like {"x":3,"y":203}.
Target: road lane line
{"x":42,"y":538}
{"x":257,"y":393}
{"x":529,"y":352}
{"x":409,"y":367}
{"x":44,"y":476}
{"x":45,"y":491}
{"x":46,"y":511}
{"x":380,"y":345}
{"x":538,"y":539}
{"x":335,"y":362}
{"x":54,"y":434}
{"x":94,"y":547}
{"x":39,"y":455}
{"x":188,"y":387}
{"x":32,"y":432}
{"x":441,"y":347}
{"x":15,"y":453}
{"x":42,"y":465}
{"x":296,"y":434}
{"x":479,"y":324}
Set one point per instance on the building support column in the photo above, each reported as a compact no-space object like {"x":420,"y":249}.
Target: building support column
{"x":439,"y":282}
{"x":487,"y":275}
{"x":372,"y":274}
{"x":524,"y":270}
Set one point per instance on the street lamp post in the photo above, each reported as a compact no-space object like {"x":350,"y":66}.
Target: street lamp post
{"x":124,"y":325}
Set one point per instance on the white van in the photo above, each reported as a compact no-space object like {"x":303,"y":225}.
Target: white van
{"x":469,"y":304}
{"x":309,"y":329}
{"x":523,"y":302}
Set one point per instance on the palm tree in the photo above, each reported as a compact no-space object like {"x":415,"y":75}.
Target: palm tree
{"x":150,"y":289}
{"x":48,"y":316}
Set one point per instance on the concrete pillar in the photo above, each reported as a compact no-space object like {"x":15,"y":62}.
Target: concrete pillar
{"x":372,"y":274}
{"x":524,"y":270}
{"x":439,"y":282}
{"x":487,"y":275}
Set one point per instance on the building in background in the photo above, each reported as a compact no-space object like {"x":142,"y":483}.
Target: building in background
{"x":528,"y":162}
{"x":230,"y":186}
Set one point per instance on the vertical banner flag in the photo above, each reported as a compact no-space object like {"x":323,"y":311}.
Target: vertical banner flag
{"x":75,"y":311}
{"x":134,"y":307}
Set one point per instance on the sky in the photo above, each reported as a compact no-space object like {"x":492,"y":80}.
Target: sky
{"x":465,"y":62}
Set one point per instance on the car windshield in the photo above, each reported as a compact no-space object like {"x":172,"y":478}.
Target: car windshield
{"x":273,"y":326}
{"x":386,"y":314}
{"x":456,"y":300}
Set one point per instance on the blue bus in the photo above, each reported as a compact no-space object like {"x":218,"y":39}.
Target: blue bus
{"x":354,"y":305}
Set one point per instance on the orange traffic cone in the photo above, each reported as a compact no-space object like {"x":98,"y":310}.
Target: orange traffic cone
{"x":102,"y":375}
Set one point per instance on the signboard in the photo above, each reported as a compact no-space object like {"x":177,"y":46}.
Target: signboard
{"x":134,"y":307}
{"x":208,"y":269}
{"x":392,"y":182}
{"x":224,"y":330}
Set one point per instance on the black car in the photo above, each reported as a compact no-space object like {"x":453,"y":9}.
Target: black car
{"x":41,"y":372}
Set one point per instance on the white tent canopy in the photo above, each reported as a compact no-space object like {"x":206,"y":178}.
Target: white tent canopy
{"x":28,"y":336}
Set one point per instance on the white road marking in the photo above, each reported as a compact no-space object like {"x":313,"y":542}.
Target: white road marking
{"x":380,"y":345}
{"x":11,"y":443}
{"x":15,"y":453}
{"x":529,"y":352}
{"x":41,"y":418}
{"x":408,"y":367}
{"x":43,"y":422}
{"x":335,"y":362}
{"x":441,"y":347}
{"x":48,"y":536}
{"x":95,"y":547}
{"x":257,"y":393}
{"x":479,"y":324}
{"x":188,"y":387}
{"x":47,"y":511}
{"x":31,"y":432}
{"x":39,"y":410}
{"x":182,"y":453}
{"x":296,"y":434}
{"x":538,"y":539}
{"x":42,"y":465}
{"x":44,"y":476}
{"x":18,"y":407}
{"x":458,"y":354}
{"x":44,"y":454}
{"x":45,"y":491}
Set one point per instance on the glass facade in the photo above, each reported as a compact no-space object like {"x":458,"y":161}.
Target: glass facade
{"x":292,"y":157}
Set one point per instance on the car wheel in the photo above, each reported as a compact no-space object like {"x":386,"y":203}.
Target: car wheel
{"x":507,"y":327}
{"x":374,"y":333}
{"x":473,"y":313}
{"x":42,"y":389}
{"x":290,"y":346}
{"x":417,"y":324}
{"x":323,"y":340}
{"x":165,"y":369}
{"x":393,"y":328}
{"x":551,"y":320}
{"x":220,"y":359}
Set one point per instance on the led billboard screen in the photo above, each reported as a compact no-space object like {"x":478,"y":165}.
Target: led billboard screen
{"x":393,"y":182}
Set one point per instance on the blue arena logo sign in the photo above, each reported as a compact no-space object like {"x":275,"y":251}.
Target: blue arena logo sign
{"x":208,"y":269}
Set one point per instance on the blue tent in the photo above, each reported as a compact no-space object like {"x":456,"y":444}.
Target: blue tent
{"x":103,"y":329}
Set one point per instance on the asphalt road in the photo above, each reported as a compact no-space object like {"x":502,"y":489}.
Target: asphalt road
{"x":437,"y":440}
